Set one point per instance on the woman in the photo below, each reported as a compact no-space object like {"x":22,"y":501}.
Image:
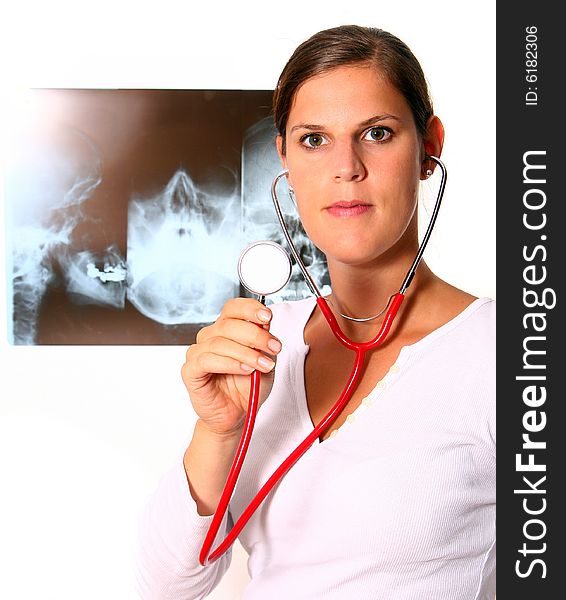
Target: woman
{"x":396,"y":500}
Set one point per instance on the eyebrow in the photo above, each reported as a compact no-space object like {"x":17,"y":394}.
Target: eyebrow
{"x":374,"y":119}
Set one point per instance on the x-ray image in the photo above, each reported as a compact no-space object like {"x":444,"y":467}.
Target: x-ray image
{"x":127,"y":211}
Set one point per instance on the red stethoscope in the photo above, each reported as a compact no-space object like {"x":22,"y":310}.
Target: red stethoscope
{"x":249,"y":266}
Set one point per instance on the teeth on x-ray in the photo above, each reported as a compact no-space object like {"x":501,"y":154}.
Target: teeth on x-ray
{"x":183,"y":246}
{"x":110,"y":273}
{"x":87,"y":284}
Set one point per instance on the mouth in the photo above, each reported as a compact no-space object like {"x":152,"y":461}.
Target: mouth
{"x":350,"y":208}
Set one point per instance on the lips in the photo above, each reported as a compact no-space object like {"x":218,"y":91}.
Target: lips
{"x":350,"y":208}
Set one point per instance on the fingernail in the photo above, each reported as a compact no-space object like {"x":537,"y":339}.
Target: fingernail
{"x":266,"y":363}
{"x":264,"y":315}
{"x":274,"y":345}
{"x":246,"y":368}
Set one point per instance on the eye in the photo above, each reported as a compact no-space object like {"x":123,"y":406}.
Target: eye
{"x":378,"y":134}
{"x":313,"y":140}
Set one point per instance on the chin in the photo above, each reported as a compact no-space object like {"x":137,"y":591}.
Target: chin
{"x":354,"y":255}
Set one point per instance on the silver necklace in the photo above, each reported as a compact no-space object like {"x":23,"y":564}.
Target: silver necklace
{"x":363,"y":319}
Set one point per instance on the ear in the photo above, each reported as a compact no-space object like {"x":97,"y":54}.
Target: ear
{"x":280,"y":151}
{"x":433,"y":142}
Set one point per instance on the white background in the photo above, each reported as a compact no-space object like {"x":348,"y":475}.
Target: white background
{"x":86,"y":432}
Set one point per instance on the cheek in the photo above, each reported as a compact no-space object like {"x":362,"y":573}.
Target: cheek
{"x":406,"y":183}
{"x":308,"y":220}
{"x":302,"y":175}
{"x":406,"y":207}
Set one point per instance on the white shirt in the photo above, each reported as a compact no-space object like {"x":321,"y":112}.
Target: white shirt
{"x":398,"y":505}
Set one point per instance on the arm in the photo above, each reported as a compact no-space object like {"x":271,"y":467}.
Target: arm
{"x":171,"y":532}
{"x":177,"y":518}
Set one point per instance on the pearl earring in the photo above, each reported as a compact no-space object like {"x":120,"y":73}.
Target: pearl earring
{"x":428,"y":173}
{"x":292,"y":195}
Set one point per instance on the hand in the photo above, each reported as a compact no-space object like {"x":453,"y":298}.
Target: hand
{"x":218,"y":366}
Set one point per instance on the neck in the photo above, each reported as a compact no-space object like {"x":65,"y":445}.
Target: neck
{"x":364,"y":291}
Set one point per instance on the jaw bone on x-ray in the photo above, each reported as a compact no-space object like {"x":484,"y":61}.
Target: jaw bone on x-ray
{"x":177,"y":266}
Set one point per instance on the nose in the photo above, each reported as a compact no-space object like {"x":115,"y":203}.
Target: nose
{"x":348,"y":164}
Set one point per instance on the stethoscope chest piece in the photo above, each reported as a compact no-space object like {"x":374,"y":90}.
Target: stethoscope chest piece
{"x":264,"y":268}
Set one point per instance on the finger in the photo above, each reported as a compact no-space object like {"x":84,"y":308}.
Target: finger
{"x":248,"y":334}
{"x":246,"y":309}
{"x":249,"y":358}
{"x":211,"y":364}
{"x":222,"y":356}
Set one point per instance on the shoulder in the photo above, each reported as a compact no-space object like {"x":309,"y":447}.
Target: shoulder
{"x":470,"y":336}
{"x":479,"y":356}
{"x":461,"y":358}
{"x":468,"y":349}
{"x":481,"y":313}
{"x":462,"y":351}
{"x":478,"y":322}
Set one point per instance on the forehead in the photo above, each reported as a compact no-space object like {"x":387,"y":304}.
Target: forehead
{"x":349,"y":91}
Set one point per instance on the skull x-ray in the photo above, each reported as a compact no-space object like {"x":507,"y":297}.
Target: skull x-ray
{"x":128,"y":209}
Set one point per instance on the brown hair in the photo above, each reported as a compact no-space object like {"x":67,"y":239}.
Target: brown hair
{"x":349,"y":45}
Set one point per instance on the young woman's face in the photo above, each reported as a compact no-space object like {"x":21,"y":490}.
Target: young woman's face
{"x":355,"y":159}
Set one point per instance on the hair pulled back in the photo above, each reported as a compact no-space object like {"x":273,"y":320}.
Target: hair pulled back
{"x":349,"y":45}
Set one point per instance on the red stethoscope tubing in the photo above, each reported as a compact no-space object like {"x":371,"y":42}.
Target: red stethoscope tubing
{"x":207,"y":557}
